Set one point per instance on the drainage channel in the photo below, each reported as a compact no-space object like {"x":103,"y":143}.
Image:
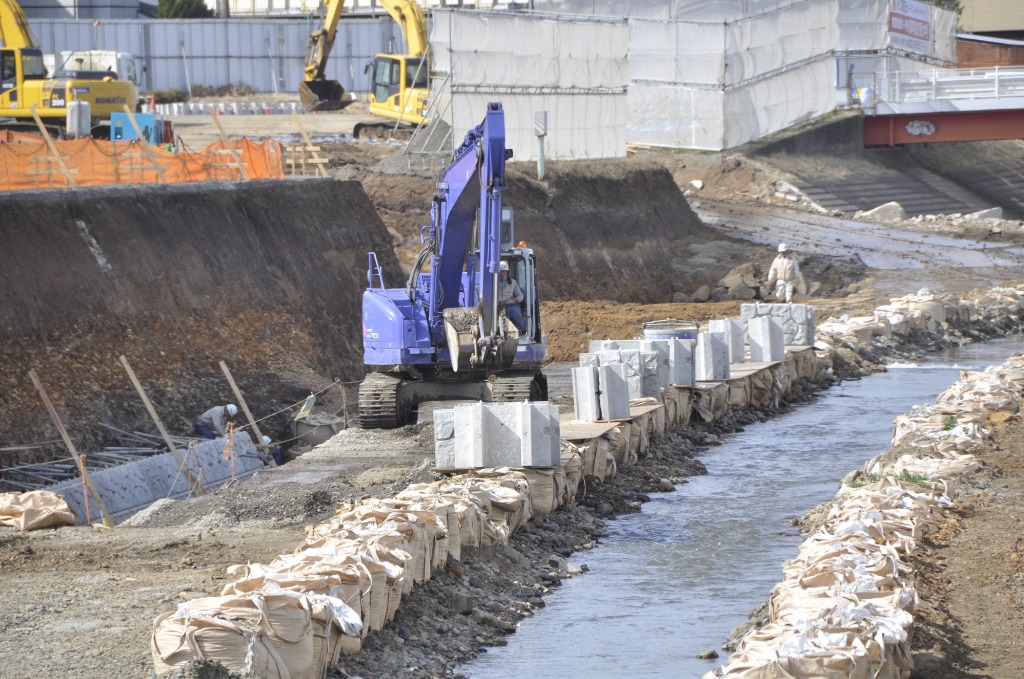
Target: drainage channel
{"x":674,"y":580}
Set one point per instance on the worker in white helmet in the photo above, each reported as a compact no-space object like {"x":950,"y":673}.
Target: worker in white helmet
{"x":785,"y":275}
{"x":510,"y":296}
{"x":271,"y":452}
{"x":213,"y":423}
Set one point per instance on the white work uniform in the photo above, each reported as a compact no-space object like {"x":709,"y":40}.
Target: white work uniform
{"x":785,"y":273}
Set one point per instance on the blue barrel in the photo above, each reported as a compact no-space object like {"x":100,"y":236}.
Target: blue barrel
{"x":670,"y":328}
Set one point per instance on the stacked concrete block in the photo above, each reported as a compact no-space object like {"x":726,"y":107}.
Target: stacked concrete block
{"x":649,"y":368}
{"x":732,"y":331}
{"x":680,"y":362}
{"x":585,"y":390}
{"x":712,"y":358}
{"x":797,"y":320}
{"x":634,"y":371}
{"x":130,"y":488}
{"x":767,"y":341}
{"x":497,"y":435}
{"x":659,"y":346}
{"x":614,"y":397}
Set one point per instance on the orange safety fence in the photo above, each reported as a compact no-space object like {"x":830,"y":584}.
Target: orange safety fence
{"x":26,"y":162}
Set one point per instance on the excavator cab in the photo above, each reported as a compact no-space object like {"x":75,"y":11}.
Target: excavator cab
{"x":398,"y":85}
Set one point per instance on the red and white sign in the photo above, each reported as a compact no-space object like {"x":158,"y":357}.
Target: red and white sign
{"x":910,"y":26}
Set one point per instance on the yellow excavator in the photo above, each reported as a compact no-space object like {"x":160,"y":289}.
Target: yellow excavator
{"x":26,"y":85}
{"x":399,"y":83}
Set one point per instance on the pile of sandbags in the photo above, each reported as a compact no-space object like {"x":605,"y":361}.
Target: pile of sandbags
{"x":295,"y":616}
{"x":844,"y":609}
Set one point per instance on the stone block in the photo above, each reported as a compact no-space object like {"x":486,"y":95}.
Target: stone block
{"x":444,"y":439}
{"x":651,"y":375}
{"x":680,"y":362}
{"x":614,"y":396}
{"x":732,"y":331}
{"x":634,"y":372}
{"x":767,"y":343}
{"x":711,"y":361}
{"x":540,"y":435}
{"x":660,"y":346}
{"x":590,"y":360}
{"x":585,"y":387}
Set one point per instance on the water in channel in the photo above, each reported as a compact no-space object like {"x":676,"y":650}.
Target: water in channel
{"x":673,"y":580}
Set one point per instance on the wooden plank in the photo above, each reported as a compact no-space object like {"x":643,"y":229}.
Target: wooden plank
{"x":97,"y":498}
{"x":53,"y":148}
{"x":245,"y":408}
{"x":231,"y":150}
{"x":197,"y":488}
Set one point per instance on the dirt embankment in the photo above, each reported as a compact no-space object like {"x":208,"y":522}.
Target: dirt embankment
{"x":265,"y":276}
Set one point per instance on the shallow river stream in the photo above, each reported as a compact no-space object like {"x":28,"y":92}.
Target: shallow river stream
{"x":673,"y":580}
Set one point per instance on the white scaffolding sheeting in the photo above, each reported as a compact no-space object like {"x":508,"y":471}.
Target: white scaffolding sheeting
{"x":664,"y":10}
{"x":865,"y":25}
{"x":576,"y":69}
{"x":717,"y":85}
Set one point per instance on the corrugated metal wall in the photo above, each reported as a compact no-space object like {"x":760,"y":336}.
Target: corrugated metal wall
{"x":268,"y":54}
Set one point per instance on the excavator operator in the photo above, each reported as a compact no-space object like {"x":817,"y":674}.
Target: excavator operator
{"x":510,"y":296}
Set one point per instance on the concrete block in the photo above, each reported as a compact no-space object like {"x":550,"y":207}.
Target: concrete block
{"x":767,"y":342}
{"x":680,"y":367}
{"x":444,"y":439}
{"x":660,"y":346}
{"x":590,"y":360}
{"x":607,"y":356}
{"x":503,"y":441}
{"x":634,"y":372}
{"x":518,"y":434}
{"x":540,"y":434}
{"x":797,"y":320}
{"x":469,"y":435}
{"x":585,"y":387}
{"x":651,"y":379}
{"x":732,"y":330}
{"x":711,"y":361}
{"x":614,"y":397}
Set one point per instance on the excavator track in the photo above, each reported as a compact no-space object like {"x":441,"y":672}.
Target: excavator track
{"x":523,"y":386}
{"x":380,"y":406}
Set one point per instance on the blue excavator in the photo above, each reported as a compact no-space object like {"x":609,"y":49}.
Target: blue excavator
{"x":445,"y":336}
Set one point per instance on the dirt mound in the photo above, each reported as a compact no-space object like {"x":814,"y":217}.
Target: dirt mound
{"x":266,"y":276}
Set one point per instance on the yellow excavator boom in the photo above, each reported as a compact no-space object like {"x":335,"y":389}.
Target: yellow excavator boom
{"x":14,"y":28}
{"x":408,"y":15}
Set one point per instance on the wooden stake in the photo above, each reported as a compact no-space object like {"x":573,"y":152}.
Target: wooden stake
{"x":53,"y":148}
{"x":318,"y":162}
{"x":145,"y":146}
{"x":192,"y":480}
{"x":67,"y":441}
{"x":245,"y":408}
{"x":231,"y":149}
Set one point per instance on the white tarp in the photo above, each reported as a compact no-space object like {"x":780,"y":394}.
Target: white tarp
{"x":910,"y":26}
{"x":717,"y":85}
{"x":576,"y":69}
{"x":688,"y":10}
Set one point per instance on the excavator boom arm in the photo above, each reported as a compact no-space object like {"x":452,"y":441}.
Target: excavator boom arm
{"x":409,"y":16}
{"x":14,"y":28}
{"x":321,"y":41}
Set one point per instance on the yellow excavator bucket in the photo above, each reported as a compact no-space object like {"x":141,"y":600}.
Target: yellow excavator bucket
{"x":324,"y":95}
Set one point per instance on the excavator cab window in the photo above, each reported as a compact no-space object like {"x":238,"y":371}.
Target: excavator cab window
{"x":9,"y":69}
{"x":32,"y":64}
{"x":416,"y":73}
{"x":387,"y":76}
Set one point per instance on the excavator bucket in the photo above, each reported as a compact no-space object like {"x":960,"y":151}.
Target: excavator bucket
{"x":324,"y":95}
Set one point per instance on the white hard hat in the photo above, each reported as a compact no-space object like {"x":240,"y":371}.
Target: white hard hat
{"x":232,"y":409}
{"x":782,"y":247}
{"x":266,"y":440}
{"x":503,"y":266}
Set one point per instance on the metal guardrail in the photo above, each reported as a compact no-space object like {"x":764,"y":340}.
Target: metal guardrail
{"x":950,"y":85}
